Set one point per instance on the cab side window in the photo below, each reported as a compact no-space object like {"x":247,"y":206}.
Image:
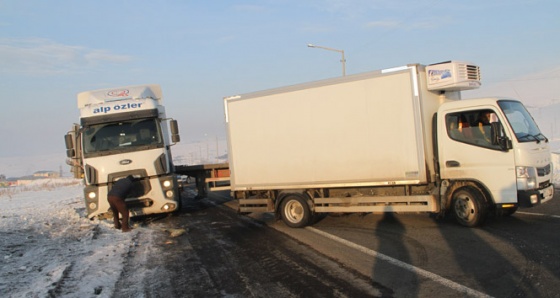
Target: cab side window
{"x":472,"y":127}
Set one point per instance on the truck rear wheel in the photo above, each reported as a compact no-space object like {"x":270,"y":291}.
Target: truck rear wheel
{"x":469,"y":206}
{"x":295,"y":212}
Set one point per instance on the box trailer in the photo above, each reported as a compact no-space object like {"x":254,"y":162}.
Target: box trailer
{"x":393,"y":140}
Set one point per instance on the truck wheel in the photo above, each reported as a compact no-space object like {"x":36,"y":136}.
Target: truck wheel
{"x":469,"y":206}
{"x":295,"y":211}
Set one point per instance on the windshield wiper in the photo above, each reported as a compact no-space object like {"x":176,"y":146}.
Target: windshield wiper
{"x":541,"y":135}
{"x":528,"y":137}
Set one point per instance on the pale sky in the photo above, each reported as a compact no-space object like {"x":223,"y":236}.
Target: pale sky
{"x":202,"y":51}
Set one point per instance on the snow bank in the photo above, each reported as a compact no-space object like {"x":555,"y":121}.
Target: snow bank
{"x":49,"y":248}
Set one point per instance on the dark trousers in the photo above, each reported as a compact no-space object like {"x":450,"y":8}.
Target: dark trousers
{"x":119,"y":206}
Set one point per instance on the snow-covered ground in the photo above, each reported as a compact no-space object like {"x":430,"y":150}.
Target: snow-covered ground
{"x":49,"y":249}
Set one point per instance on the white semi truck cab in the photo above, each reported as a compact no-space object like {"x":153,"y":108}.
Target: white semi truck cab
{"x":124,"y":131}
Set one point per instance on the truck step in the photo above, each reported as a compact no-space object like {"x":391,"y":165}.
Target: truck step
{"x":423,"y":203}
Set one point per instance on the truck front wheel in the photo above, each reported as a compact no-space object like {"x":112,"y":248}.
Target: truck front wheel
{"x":295,"y":212}
{"x":469,"y":206}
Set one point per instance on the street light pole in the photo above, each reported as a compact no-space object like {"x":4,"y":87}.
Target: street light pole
{"x":343,"y":60}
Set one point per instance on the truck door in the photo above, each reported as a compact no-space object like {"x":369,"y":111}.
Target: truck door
{"x":466,"y":152}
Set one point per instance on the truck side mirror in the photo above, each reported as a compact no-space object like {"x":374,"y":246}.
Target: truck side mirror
{"x":70,"y":152}
{"x":498,"y":137}
{"x":505,"y":144}
{"x":175,"y":138}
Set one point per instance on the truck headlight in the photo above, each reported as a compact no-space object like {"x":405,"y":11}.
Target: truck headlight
{"x":166,"y":183}
{"x":526,"y":178}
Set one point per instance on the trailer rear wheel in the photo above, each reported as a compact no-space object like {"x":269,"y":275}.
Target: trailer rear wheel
{"x":295,"y":212}
{"x":469,"y":206}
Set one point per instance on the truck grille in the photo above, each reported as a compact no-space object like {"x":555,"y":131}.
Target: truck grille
{"x":543,"y":171}
{"x":544,"y":184}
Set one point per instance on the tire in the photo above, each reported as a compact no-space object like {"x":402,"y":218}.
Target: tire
{"x":469,"y":207}
{"x":295,"y":212}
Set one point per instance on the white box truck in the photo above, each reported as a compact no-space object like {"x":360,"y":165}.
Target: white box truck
{"x":124,"y":131}
{"x":393,"y":140}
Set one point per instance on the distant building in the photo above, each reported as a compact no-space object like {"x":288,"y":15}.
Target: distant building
{"x":21,"y":182}
{"x":25,"y":180}
{"x":46,"y":174}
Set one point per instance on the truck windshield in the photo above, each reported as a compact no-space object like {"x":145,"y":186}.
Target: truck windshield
{"x":523,"y":125}
{"x":123,"y":135}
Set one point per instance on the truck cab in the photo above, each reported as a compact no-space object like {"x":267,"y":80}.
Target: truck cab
{"x":124,"y":131}
{"x":492,"y":146}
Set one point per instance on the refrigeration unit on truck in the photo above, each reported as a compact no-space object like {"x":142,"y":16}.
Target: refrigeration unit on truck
{"x":393,"y":140}
{"x":124,"y":131}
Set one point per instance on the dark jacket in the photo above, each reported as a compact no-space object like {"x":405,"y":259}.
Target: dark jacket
{"x":122,"y":187}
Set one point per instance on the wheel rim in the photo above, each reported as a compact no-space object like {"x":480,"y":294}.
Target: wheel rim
{"x":465,"y":207}
{"x":294,"y":211}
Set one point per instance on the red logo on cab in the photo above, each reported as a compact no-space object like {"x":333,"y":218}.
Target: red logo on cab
{"x":118,"y":93}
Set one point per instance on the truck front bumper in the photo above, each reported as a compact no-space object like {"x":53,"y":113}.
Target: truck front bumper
{"x":530,"y":198}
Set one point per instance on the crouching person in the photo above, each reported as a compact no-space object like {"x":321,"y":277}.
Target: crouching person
{"x":116,"y":197}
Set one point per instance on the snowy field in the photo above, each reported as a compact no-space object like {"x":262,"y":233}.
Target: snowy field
{"x":49,"y":249}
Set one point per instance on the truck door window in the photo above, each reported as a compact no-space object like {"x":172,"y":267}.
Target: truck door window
{"x":472,"y":127}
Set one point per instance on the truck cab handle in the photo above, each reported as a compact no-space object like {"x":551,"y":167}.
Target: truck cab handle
{"x":452,"y":164}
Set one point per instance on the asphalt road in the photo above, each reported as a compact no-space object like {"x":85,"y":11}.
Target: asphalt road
{"x":415,"y":256}
{"x":359,"y":255}
{"x":222,"y":254}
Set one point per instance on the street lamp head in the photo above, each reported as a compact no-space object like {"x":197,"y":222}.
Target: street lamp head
{"x":343,"y":60}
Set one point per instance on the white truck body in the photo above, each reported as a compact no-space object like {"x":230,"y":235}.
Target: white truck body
{"x":123,"y":131}
{"x":327,"y":135}
{"x":370,"y":142}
